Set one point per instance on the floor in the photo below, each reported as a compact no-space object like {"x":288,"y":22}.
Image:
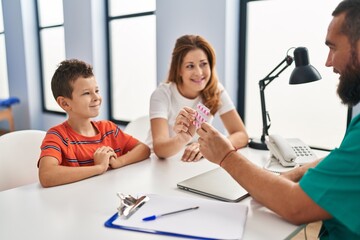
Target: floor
{"x":312,"y":231}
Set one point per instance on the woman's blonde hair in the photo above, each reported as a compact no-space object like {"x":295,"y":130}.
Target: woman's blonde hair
{"x":211,"y":93}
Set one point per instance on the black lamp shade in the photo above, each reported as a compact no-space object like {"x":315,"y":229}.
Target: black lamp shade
{"x":303,"y":72}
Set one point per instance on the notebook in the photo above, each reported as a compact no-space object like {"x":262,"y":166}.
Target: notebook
{"x":216,"y":183}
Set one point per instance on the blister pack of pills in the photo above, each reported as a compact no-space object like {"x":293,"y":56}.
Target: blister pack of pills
{"x":202,"y":114}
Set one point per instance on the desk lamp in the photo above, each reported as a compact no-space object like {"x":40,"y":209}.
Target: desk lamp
{"x":303,"y":73}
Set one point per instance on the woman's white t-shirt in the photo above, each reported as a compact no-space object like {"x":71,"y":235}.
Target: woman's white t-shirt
{"x":166,"y":102}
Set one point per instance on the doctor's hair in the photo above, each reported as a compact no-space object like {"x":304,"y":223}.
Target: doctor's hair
{"x":66,"y":74}
{"x":351,"y":24}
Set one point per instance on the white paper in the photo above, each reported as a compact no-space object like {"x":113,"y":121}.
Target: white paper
{"x":213,"y":219}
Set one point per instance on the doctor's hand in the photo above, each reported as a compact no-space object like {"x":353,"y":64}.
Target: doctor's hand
{"x":213,"y":145}
{"x":184,"y":126}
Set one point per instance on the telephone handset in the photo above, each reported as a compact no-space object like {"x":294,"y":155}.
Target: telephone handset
{"x":290,"y":152}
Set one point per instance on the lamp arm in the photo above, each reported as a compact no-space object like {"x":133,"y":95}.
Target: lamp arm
{"x":268,"y":79}
{"x":265,"y":127}
{"x":262,"y":85}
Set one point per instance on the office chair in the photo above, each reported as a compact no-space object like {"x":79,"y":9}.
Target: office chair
{"x":19,"y":153}
{"x":139,"y":128}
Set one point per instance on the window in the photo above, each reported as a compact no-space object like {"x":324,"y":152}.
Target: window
{"x":4,"y":89}
{"x":132,"y":57}
{"x":51,"y":36}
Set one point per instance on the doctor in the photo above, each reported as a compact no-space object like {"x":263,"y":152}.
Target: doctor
{"x":327,"y":189}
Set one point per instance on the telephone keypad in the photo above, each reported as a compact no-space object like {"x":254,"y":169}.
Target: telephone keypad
{"x":302,"y":151}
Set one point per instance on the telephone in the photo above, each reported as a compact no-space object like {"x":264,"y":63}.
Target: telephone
{"x":290,"y":152}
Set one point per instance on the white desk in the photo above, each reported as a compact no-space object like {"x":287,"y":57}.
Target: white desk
{"x":79,"y":210}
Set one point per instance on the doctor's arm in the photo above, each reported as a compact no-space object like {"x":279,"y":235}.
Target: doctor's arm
{"x":296,"y":174}
{"x":279,"y":194}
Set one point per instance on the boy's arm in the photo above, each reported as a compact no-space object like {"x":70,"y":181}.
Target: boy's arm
{"x":140,"y":152}
{"x":51,"y":173}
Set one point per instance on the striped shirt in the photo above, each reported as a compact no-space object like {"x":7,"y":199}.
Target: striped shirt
{"x":73,"y":149}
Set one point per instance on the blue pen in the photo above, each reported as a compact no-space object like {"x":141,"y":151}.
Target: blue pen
{"x":153,"y":217}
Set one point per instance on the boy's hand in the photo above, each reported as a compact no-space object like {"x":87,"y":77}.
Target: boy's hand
{"x":112,"y":161}
{"x":102,"y":157}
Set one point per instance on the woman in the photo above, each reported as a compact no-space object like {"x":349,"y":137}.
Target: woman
{"x":192,"y":79}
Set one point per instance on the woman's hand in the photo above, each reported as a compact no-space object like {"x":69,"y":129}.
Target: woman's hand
{"x":213,"y":145}
{"x":183,"y":125}
{"x":192,"y":153}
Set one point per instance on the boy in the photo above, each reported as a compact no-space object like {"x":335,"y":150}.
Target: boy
{"x":80,"y":148}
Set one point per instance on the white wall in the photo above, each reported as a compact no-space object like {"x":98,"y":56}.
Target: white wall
{"x":19,"y":81}
{"x":176,"y":18}
{"x":85,"y":39}
{"x":356,"y":110}
{"x":215,"y":20}
{"x":32,"y":70}
{"x":84,"y":33}
{"x":307,"y":111}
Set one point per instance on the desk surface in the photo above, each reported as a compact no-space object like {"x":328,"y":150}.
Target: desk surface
{"x":79,"y":210}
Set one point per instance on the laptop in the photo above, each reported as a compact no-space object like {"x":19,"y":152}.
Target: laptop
{"x":216,"y":183}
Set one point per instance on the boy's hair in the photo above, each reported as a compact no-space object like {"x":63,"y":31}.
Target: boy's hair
{"x":66,"y":74}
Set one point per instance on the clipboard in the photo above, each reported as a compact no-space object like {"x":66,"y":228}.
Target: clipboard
{"x":213,"y":219}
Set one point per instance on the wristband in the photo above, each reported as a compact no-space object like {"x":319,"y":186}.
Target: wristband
{"x":231,"y":151}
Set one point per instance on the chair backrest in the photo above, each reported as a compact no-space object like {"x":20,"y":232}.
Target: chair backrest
{"x":19,"y":153}
{"x":139,"y":128}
